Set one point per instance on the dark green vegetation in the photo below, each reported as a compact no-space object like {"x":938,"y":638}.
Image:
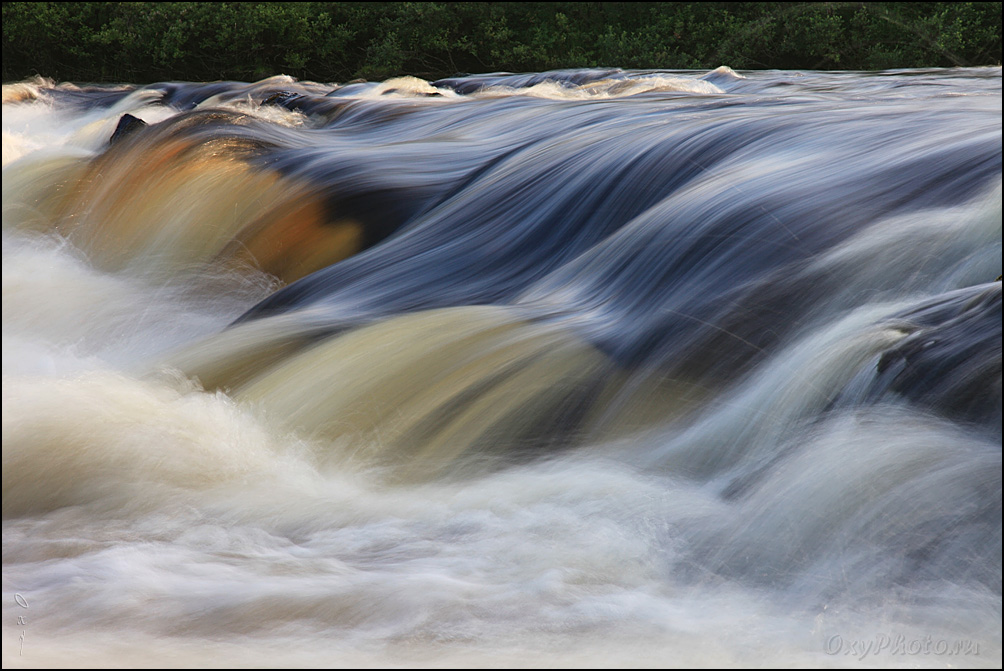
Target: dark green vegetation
{"x":335,"y":41}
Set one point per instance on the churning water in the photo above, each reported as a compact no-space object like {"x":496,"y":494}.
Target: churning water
{"x":577,"y":368}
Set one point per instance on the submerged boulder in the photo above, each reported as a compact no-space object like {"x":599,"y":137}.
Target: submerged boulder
{"x":951,"y":361}
{"x":128,"y":124}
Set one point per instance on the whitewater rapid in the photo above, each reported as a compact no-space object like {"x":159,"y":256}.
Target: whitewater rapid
{"x":604,"y":368}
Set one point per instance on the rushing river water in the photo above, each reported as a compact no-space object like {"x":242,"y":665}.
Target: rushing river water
{"x":578,"y":368}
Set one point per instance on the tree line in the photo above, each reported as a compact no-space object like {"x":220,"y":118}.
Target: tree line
{"x":142,"y":42}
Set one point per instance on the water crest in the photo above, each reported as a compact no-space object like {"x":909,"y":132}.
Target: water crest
{"x":579,"y":367}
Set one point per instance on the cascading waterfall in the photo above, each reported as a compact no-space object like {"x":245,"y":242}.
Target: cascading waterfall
{"x":586,"y":367}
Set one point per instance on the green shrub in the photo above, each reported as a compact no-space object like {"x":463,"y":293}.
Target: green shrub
{"x":336,"y":41}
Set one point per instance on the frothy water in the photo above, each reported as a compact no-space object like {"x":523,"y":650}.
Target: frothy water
{"x":592,"y":367}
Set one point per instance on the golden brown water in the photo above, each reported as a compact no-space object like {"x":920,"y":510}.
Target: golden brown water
{"x":612,"y":369}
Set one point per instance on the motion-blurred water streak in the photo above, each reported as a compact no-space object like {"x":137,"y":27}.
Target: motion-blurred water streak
{"x":586,"y":367}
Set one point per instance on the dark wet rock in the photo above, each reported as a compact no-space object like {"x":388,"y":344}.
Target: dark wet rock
{"x":951,"y":363}
{"x":127,"y":125}
{"x":280,"y":98}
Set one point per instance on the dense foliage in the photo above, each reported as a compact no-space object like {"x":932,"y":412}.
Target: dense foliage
{"x":337,"y":41}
